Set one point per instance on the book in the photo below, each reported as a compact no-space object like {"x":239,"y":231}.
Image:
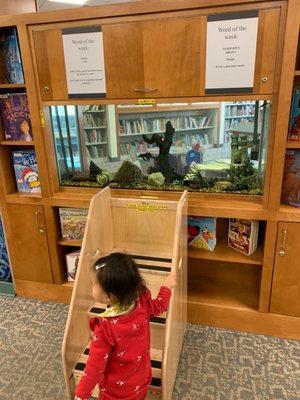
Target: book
{"x":11,"y":57}
{"x":290,"y":193}
{"x":243,"y":235}
{"x":26,"y":171}
{"x":16,"y":117}
{"x":202,"y":232}
{"x":72,"y":222}
{"x":294,"y":127}
{"x":5,"y":272}
{"x":72,"y":261}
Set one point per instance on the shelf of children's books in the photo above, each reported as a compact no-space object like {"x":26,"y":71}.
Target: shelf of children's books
{"x":223,"y":252}
{"x":240,"y":104}
{"x":160,"y":132}
{"x":240,"y":117}
{"x":297,"y":73}
{"x":11,"y":86}
{"x":16,"y":143}
{"x":291,"y":144}
{"x":70,"y":242}
{"x":95,"y":127}
{"x":169,"y":108}
{"x":93,"y":112}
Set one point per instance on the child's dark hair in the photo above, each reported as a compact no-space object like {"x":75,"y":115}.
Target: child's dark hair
{"x":118,"y":275}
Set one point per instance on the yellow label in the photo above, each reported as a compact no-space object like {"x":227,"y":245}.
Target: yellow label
{"x":42,"y":117}
{"x":144,"y":102}
{"x":146,"y":207}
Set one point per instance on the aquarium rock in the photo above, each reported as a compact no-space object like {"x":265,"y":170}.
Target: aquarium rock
{"x":128,"y":173}
{"x":156,"y":179}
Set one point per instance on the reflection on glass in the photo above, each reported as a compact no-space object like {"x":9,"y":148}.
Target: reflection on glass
{"x":210,"y":147}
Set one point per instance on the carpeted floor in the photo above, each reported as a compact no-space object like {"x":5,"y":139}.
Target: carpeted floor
{"x":216,"y":364}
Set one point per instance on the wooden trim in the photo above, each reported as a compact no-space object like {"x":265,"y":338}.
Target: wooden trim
{"x":244,"y":320}
{"x":268,"y":264}
{"x":44,"y":291}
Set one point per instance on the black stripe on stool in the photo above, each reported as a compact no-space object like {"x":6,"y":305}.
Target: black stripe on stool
{"x":154,"y":267}
{"x":80,"y":366}
{"x":156,"y":364}
{"x":156,"y":382}
{"x":150,"y":258}
{"x":86,"y":352}
{"x":96,"y":310}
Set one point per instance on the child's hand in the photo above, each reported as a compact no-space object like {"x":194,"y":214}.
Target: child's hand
{"x":171,"y":280}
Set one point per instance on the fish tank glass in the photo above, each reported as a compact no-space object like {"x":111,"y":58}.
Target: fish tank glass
{"x":217,"y":147}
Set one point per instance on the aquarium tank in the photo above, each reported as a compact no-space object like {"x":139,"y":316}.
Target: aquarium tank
{"x":217,"y":147}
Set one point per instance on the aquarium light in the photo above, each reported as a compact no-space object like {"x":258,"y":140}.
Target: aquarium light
{"x":73,"y":2}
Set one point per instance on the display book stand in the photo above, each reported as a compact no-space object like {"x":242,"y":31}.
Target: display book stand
{"x":154,"y":232}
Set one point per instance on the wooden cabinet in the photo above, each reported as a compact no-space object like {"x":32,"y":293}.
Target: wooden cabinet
{"x":285,"y":297}
{"x":28,"y":244}
{"x":155,"y":58}
{"x":162,"y":57}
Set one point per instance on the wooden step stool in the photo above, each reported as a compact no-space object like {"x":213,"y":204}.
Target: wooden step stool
{"x":154,"y":233}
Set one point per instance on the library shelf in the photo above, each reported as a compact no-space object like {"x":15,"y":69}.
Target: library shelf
{"x":225,"y":253}
{"x":291,"y":144}
{"x":95,"y":143}
{"x":11,"y":86}
{"x":16,"y":143}
{"x":240,"y":117}
{"x":70,"y":242}
{"x":93,"y":111}
{"x":159,"y":132}
{"x":95,"y":127}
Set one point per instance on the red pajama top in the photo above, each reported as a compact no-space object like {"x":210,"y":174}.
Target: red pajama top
{"x":119,"y":356}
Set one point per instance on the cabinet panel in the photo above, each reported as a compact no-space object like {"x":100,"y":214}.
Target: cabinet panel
{"x":285,"y":297}
{"x":266,"y":53}
{"x":28,"y":243}
{"x":50,"y":64}
{"x":156,"y":58}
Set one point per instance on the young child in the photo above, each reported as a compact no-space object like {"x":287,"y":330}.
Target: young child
{"x":119,"y":356}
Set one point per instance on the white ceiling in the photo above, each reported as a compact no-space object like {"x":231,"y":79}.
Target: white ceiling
{"x":45,"y":5}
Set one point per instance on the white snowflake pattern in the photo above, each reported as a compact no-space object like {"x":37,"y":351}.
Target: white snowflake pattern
{"x":160,"y":299}
{"x":95,"y":338}
{"x":139,"y":358}
{"x":120,"y":383}
{"x":118,"y":338}
{"x":120,"y":354}
{"x":135,"y":327}
{"x":137,"y":389}
{"x":105,"y":356}
{"x":114,"y":321}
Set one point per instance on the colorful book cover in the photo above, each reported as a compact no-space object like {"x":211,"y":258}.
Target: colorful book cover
{"x":202,"y":232}
{"x":243,"y":235}
{"x":73,"y":221}
{"x":16,"y":117}
{"x":5,"y":273}
{"x":26,"y":171}
{"x":294,"y":129}
{"x":72,"y":261}
{"x":290,"y":193}
{"x":11,"y":56}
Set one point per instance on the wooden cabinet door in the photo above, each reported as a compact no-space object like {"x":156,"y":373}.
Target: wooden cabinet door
{"x":285,"y":297}
{"x":28,"y":243}
{"x":156,"y":58}
{"x":50,"y":64}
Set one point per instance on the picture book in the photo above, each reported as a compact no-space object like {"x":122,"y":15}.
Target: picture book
{"x":16,"y":117}
{"x":294,"y":128}
{"x":26,"y":171}
{"x":202,"y":232}
{"x":290,"y":193}
{"x":5,"y":273}
{"x":72,"y":261}
{"x":10,"y":54}
{"x":243,"y":235}
{"x":73,"y":221}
